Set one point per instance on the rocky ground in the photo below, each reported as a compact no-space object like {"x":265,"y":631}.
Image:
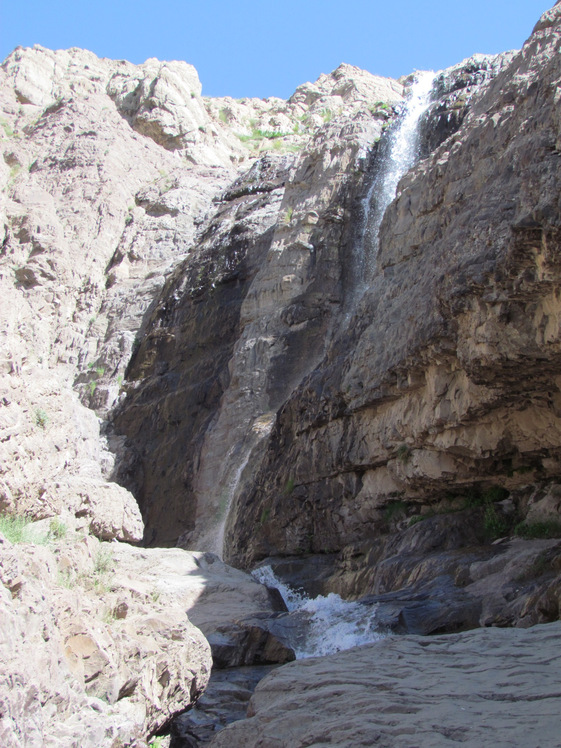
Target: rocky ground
{"x":201,"y":348}
{"x":101,"y":642}
{"x":471,"y":689}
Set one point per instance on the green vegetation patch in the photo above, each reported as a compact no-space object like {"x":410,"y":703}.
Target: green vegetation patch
{"x":41,"y":418}
{"x":548,"y":529}
{"x":395,"y":510}
{"x":289,"y":487}
{"x":257,"y":134}
{"x":57,"y":529}
{"x":13,"y":527}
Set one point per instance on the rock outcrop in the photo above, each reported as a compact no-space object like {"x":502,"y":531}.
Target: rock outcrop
{"x":90,"y":654}
{"x":98,"y":643}
{"x":412,"y":691}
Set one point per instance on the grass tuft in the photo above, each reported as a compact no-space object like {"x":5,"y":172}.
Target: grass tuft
{"x":548,"y":529}
{"x":13,"y":527}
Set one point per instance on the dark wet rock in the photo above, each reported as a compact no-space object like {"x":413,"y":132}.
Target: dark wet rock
{"x":224,"y":701}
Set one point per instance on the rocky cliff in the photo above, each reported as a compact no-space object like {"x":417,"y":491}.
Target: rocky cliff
{"x":441,"y":391}
{"x":209,"y":342}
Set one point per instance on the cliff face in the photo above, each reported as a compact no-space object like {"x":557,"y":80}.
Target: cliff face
{"x":273,"y":279}
{"x":253,"y":386}
{"x":246,"y":316}
{"x":444,"y":383}
{"x":199,"y":326}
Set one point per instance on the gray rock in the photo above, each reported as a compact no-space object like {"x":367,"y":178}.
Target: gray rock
{"x":405,"y":691}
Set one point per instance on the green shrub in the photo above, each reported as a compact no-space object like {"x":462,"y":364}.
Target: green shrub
{"x":548,"y":529}
{"x":265,"y":514}
{"x":403,"y":453}
{"x":13,"y":527}
{"x":66,"y":579}
{"x":494,"y":494}
{"x":269,"y":134}
{"x":289,"y":487}
{"x":41,"y":418}
{"x":8,"y":131}
{"x":103,"y":561}
{"x":494,"y":525}
{"x":257,"y":134}
{"x":395,"y":510}
{"x":57,"y":529}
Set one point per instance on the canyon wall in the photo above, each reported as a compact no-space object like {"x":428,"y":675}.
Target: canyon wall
{"x":274,"y":280}
{"x":443,"y":387}
{"x":204,"y":345}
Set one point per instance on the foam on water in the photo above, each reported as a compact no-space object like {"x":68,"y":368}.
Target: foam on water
{"x":333,"y":623}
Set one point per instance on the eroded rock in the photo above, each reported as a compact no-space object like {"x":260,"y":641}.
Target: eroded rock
{"x":460,"y":687}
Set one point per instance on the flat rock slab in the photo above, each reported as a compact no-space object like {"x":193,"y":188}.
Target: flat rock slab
{"x":499,"y":687}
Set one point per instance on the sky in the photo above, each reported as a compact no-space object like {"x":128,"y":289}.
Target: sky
{"x":258,"y":48}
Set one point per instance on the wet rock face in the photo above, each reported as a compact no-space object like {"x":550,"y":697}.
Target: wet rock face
{"x":237,"y":327}
{"x":446,"y":377}
{"x":454,"y":90}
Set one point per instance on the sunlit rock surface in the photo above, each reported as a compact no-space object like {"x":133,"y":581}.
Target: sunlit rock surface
{"x":200,"y":346}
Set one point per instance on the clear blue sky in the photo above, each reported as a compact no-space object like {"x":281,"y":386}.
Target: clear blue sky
{"x":258,"y":48}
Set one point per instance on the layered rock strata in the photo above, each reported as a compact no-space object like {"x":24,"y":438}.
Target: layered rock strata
{"x":443,"y":388}
{"x":275,"y":276}
{"x":243,"y":319}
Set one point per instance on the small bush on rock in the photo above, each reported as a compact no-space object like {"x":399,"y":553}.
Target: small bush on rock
{"x":41,"y":418}
{"x":548,"y":529}
{"x":13,"y":527}
{"x":57,"y":529}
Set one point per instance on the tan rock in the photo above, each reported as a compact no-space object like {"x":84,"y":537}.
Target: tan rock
{"x":97,"y":644}
{"x":446,"y":379}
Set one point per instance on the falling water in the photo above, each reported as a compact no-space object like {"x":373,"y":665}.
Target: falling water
{"x":220,"y":531}
{"x":333,"y":624}
{"x":400,"y":154}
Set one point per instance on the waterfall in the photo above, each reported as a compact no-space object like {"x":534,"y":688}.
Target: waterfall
{"x":332,"y":623}
{"x":233,"y":484}
{"x":398,"y":154}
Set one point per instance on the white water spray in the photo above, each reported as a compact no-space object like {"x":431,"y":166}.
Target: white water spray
{"x":333,"y":623}
{"x":401,"y":154}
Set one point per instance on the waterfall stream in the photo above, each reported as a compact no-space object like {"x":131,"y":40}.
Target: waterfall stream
{"x":398,"y":154}
{"x":332,"y":624}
